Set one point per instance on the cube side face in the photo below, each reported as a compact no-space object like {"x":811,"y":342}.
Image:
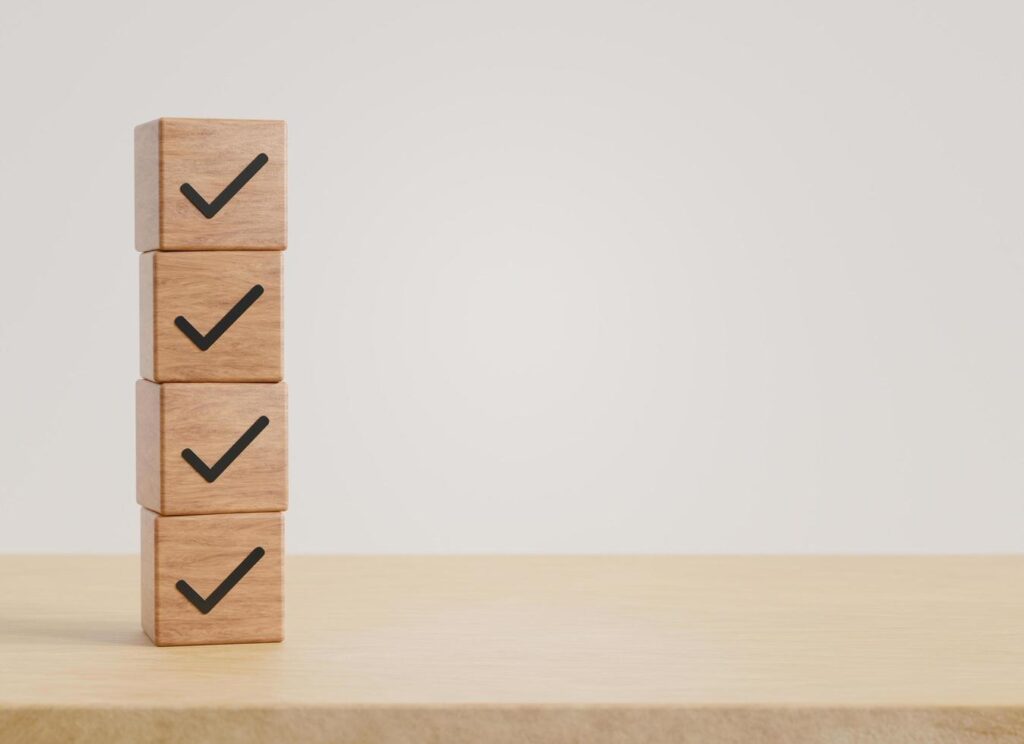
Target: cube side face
{"x":148,"y":469}
{"x":209,"y":155}
{"x":147,"y":186}
{"x":148,"y":576}
{"x":231,"y":306}
{"x":237,"y":439}
{"x":147,"y":350}
{"x":241,"y":553}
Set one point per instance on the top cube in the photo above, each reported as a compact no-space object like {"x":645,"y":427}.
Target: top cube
{"x":211,"y":184}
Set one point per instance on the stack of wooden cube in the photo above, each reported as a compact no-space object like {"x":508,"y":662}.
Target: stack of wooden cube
{"x":211,"y":409}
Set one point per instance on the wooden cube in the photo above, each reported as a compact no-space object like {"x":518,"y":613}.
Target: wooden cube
{"x":212,"y":579}
{"x":211,"y":317}
{"x":210,"y":184}
{"x":211,"y":448}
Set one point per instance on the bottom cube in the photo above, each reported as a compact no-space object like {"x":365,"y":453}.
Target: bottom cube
{"x":214,"y":578}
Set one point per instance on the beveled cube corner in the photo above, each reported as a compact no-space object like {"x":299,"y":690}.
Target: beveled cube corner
{"x":211,"y":184}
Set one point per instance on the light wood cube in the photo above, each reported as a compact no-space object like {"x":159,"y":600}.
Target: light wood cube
{"x":211,"y":448}
{"x":212,"y":579}
{"x":211,"y":317}
{"x":210,"y":184}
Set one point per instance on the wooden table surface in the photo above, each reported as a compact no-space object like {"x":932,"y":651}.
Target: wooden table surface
{"x":515,"y":649}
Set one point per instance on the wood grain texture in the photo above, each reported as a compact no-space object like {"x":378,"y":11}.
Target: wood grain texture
{"x":530,"y":723}
{"x":203,"y":288}
{"x":148,"y":462}
{"x":147,"y":185}
{"x":540,"y":649}
{"x":147,"y":578}
{"x":209,"y":418}
{"x":208,"y":154}
{"x":204,"y":550}
{"x":147,"y":339}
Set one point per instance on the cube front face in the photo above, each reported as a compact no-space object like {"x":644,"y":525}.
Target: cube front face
{"x":211,"y":317}
{"x":206,"y":448}
{"x":212,"y":579}
{"x":210,"y":184}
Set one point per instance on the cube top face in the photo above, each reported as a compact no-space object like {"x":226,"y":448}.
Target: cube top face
{"x":208,"y":448}
{"x":211,"y":184}
{"x":212,"y":579}
{"x":211,"y":317}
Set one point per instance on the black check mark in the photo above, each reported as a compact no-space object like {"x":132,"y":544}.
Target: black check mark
{"x":210,"y":209}
{"x":207,"y":604}
{"x":211,"y":474}
{"x":205,"y":342}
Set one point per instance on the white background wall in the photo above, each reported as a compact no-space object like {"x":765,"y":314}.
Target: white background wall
{"x":568,"y":277}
